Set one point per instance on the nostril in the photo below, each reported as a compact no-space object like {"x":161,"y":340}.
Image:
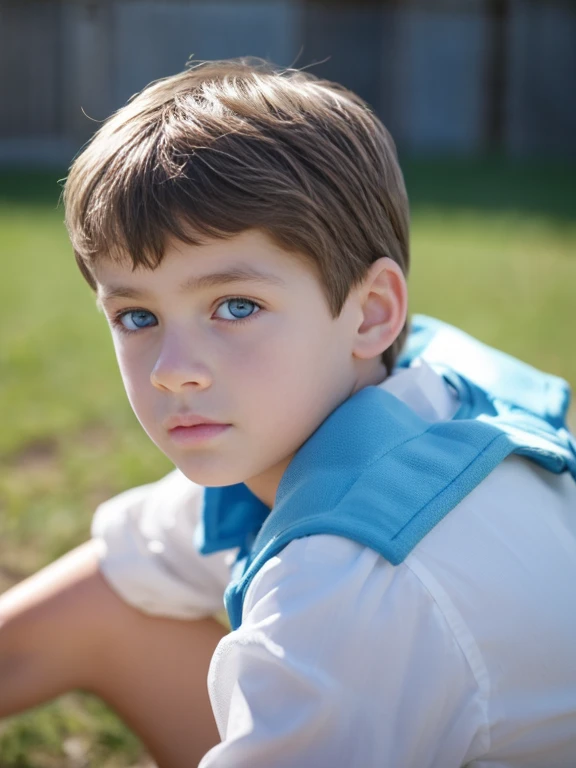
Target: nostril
{"x":176,"y":377}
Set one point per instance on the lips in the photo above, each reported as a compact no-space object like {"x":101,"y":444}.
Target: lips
{"x":190,"y":420}
{"x":199,"y":434}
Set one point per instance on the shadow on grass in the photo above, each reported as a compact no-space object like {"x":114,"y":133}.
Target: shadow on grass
{"x":498,"y":185}
{"x":31,"y":187}
{"x":493,"y":185}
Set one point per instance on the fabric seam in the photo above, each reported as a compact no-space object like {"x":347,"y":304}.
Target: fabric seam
{"x":483,"y":686}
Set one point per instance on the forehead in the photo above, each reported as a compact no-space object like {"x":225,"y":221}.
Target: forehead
{"x":250,"y":257}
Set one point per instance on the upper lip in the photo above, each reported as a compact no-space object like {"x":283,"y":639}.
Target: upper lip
{"x":188,"y":420}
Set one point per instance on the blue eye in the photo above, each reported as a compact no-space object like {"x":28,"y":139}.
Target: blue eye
{"x":135,"y":319}
{"x":239,"y":308}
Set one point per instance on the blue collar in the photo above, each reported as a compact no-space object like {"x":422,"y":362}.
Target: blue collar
{"x":231,"y":517}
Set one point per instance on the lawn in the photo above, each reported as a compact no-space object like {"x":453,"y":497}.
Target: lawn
{"x":493,"y":251}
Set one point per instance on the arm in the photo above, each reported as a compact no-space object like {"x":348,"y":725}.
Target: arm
{"x":58,"y":627}
{"x":65,"y":628}
{"x":53,"y":626}
{"x":125,"y":616}
{"x":342,"y":660}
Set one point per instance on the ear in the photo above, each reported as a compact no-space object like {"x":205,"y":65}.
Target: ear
{"x":383,"y":298}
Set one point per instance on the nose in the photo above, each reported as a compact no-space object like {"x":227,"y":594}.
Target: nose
{"x":177,"y":368}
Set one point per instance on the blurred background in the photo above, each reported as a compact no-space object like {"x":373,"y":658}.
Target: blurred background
{"x":464,"y":76}
{"x":480,"y":96}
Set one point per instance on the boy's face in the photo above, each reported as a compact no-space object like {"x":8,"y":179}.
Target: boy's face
{"x":264,"y":358}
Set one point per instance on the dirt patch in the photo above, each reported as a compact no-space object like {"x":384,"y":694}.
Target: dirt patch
{"x":37,"y":455}
{"x":96,"y":436}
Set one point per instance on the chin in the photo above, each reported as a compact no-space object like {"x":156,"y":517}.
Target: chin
{"x":210,"y":477}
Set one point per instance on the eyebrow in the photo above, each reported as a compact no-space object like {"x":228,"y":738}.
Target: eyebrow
{"x":237,"y":274}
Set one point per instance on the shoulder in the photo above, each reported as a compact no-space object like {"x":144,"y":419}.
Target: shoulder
{"x":145,"y":538}
{"x":332,"y":583}
{"x":502,"y":557}
{"x":490,"y":548}
{"x":355,"y":630}
{"x":171,"y":497}
{"x":517,"y":503}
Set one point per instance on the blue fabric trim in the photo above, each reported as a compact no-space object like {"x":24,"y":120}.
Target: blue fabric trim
{"x":491,"y":370}
{"x":231,"y":517}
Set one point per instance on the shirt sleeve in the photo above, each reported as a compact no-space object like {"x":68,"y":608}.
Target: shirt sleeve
{"x":342,"y":660}
{"x":147,"y":554}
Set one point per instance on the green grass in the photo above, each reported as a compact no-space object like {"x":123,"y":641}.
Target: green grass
{"x":76,"y":730}
{"x":493,"y":251}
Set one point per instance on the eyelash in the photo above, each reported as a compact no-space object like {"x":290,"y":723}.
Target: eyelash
{"x":117,"y":318}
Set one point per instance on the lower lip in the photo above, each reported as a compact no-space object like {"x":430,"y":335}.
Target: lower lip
{"x":198,"y":434}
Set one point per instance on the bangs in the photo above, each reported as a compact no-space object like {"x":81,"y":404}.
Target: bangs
{"x":156,"y":190}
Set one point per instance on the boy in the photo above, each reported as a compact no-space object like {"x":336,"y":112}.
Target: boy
{"x":400,"y":517}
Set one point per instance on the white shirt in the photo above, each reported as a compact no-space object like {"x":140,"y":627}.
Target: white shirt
{"x":464,"y":654}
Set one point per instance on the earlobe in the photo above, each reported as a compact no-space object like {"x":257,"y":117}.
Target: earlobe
{"x":384,"y":305}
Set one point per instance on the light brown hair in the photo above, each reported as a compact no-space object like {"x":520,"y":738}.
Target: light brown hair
{"x":227,"y":146}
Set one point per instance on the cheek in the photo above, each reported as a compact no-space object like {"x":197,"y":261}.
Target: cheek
{"x":290,"y":373}
{"x":134,"y":372}
{"x":274,"y":356}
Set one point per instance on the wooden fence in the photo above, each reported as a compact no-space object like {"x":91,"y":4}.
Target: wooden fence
{"x":445,"y":75}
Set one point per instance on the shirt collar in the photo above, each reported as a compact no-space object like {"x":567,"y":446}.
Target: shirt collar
{"x":423,"y":390}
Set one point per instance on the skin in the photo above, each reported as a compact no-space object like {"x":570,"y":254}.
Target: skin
{"x":64,"y":628}
{"x":273,"y":378}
